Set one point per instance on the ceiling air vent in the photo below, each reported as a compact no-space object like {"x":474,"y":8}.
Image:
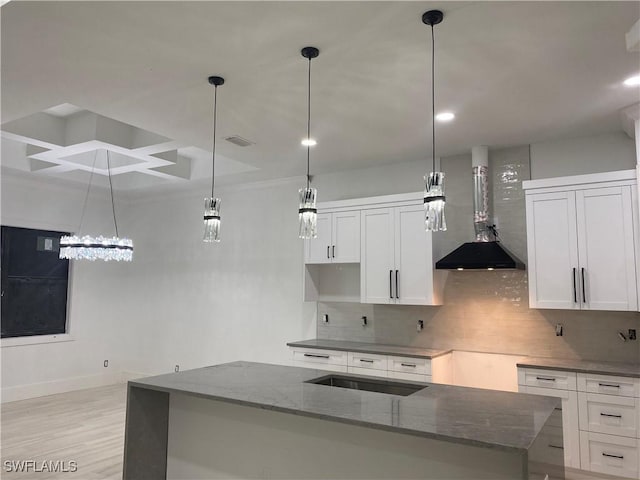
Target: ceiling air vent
{"x":239,"y":141}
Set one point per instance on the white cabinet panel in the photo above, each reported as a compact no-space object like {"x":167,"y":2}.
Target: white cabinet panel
{"x":420,"y":366}
{"x":319,"y":358}
{"x":413,"y":258}
{"x":367,"y":371}
{"x":377,"y":253}
{"x":609,"y":414}
{"x":606,"y":249}
{"x":609,"y":454}
{"x":345,"y":244}
{"x":318,"y":250}
{"x":413,"y":377}
{"x":368,"y":361}
{"x":571,"y":434}
{"x":552,"y":250}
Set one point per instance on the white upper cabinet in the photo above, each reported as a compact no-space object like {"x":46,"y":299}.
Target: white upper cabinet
{"x":397,"y":262}
{"x":581,"y":245}
{"x":338,"y":239}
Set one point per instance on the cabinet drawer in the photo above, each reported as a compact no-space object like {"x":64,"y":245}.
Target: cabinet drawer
{"x":367,"y":371}
{"x":535,"y":377}
{"x":549,"y":447}
{"x":319,"y":357}
{"x":608,"y":454}
{"x":413,"y":377}
{"x":609,"y":385}
{"x":420,"y":366}
{"x":368,"y":361}
{"x":608,"y":414}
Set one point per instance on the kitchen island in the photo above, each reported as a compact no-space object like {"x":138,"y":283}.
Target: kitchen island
{"x":252,"y":420}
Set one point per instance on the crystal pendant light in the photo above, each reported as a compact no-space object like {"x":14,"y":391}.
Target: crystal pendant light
{"x":307,"y":211}
{"x":212,"y":204}
{"x":434,"y":198}
{"x":88,"y":247}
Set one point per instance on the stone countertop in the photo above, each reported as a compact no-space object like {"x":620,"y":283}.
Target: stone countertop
{"x":375,"y":348}
{"x":484,"y":418}
{"x":582,"y":366}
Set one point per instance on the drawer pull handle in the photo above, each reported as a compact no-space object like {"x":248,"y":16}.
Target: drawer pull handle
{"x":315,"y":356}
{"x":559,"y":409}
{"x":546,"y":379}
{"x":366,"y":360}
{"x":413,"y":365}
{"x":612,"y":456}
{"x":610,"y":415}
{"x":611,"y":385}
{"x":551,"y":445}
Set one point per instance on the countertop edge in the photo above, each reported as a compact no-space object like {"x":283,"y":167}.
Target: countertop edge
{"x":567,"y":368}
{"x":373,"y":350}
{"x":304,"y":413}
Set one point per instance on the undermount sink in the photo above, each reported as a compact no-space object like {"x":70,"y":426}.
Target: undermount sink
{"x":370,"y":385}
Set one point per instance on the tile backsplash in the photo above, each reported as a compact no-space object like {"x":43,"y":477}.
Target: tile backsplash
{"x":486,"y":312}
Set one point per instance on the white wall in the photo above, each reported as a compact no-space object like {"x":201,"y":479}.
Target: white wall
{"x":197,"y":304}
{"x":94,"y":319}
{"x":576,"y":156}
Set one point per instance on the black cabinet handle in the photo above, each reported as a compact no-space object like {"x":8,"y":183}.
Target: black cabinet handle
{"x":556,"y":446}
{"x":390,"y":284}
{"x":609,"y":385}
{"x":610,"y":415}
{"x":413,"y":365}
{"x":546,"y":379}
{"x":584,"y":295}
{"x":327,"y":251}
{"x":397,"y":289}
{"x":333,"y":252}
{"x":575,"y":293}
{"x":612,"y":456}
{"x":315,"y":356}
{"x":366,"y":360}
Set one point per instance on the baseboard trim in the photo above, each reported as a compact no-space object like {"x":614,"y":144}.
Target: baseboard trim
{"x":22,"y":392}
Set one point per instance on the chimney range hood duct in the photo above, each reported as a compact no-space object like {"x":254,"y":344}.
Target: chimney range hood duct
{"x":485,"y":253}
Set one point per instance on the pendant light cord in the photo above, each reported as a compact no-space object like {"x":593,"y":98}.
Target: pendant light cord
{"x":308,"y":121}
{"x":113,"y":206}
{"x":86,"y":196}
{"x":213,"y":159}
{"x":433,"y":100}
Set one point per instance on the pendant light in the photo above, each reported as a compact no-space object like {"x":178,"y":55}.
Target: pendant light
{"x":88,"y":247}
{"x":212,"y":204}
{"x":307,"y":211}
{"x":434,"y":198}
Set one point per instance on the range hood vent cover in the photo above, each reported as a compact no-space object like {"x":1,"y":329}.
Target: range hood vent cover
{"x":479,"y":256}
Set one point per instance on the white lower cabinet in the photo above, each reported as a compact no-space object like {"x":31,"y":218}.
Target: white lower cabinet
{"x":569,"y":433}
{"x":333,"y":360}
{"x":412,"y":377}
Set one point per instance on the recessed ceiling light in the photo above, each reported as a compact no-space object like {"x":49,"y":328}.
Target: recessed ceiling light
{"x":308,"y":142}
{"x":445,"y":117}
{"x":632,"y":81}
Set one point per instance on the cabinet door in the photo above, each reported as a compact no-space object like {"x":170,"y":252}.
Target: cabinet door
{"x":552,"y":251}
{"x":413,"y":275}
{"x":376,"y":267}
{"x":606,"y":251}
{"x":345,"y":247}
{"x":318,"y":250}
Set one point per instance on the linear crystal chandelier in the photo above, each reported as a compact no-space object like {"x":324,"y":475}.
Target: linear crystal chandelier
{"x":434,"y":198}
{"x":212,"y":204}
{"x":88,"y":247}
{"x":307,"y":211}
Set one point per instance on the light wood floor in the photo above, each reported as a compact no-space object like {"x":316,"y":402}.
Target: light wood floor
{"x":86,"y":426}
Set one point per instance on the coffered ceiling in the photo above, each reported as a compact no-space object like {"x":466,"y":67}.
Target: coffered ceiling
{"x":512,"y":72}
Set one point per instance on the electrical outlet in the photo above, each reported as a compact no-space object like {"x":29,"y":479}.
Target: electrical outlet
{"x":559,"y":330}
{"x":325,"y":318}
{"x":420,"y":325}
{"x":364,"y":321}
{"x":632,"y":334}
{"x":106,"y":363}
{"x":177,"y":369}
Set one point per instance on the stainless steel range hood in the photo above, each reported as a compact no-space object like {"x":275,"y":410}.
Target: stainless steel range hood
{"x":486,"y":252}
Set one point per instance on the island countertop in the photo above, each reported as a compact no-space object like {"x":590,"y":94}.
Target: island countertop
{"x":484,"y":418}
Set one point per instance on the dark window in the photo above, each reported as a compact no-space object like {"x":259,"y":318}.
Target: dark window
{"x":34,"y":283}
